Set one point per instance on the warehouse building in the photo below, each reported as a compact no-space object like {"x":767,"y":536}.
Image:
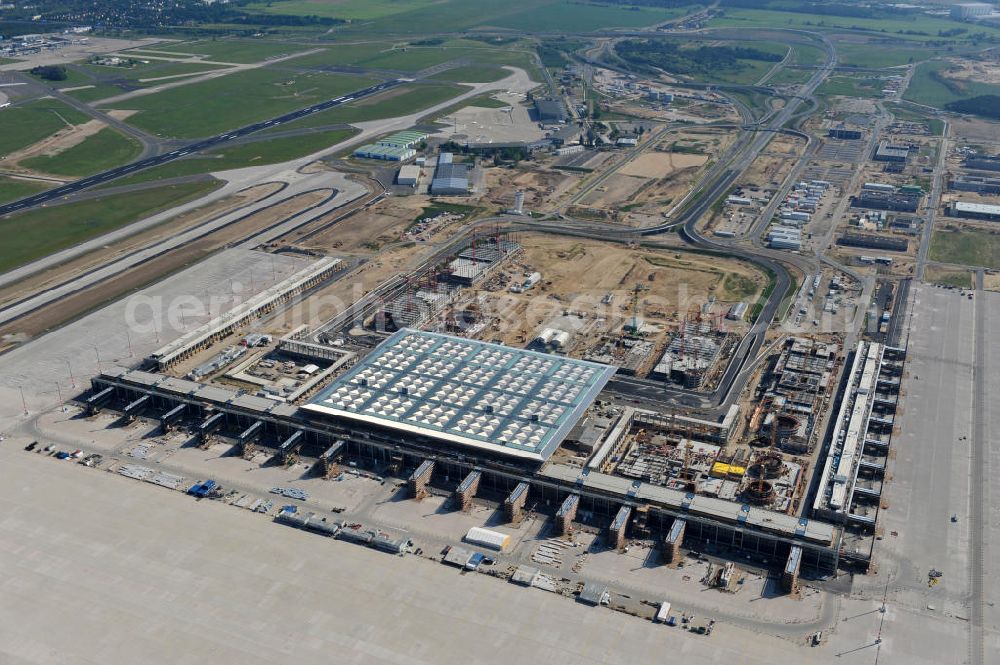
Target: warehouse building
{"x":408,"y":175}
{"x":983,"y":162}
{"x":387,"y":153}
{"x":842,"y":133}
{"x":975,"y":183}
{"x":450,"y":179}
{"x":975,"y":211}
{"x":784,"y":237}
{"x":881,"y":200}
{"x":970,"y":10}
{"x":889,"y":152}
{"x":550,"y":110}
{"x":873,"y":242}
{"x":397,"y":147}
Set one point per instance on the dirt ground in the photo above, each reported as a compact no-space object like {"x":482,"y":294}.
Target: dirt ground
{"x":326,"y":303}
{"x":661,"y":164}
{"x":981,"y":71}
{"x":541,"y":187}
{"x":975,"y":131}
{"x":616,"y":190}
{"x":577,"y":274}
{"x":991,"y":281}
{"x":772,"y":166}
{"x":367,"y":231}
{"x":61,"y":141}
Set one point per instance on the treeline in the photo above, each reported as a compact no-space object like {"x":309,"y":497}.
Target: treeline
{"x":49,"y":72}
{"x":700,"y":61}
{"x":987,"y":106}
{"x":148,"y":15}
{"x":663,"y":4}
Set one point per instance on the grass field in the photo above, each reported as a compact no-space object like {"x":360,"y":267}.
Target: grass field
{"x":226,"y":50}
{"x":851,"y":86}
{"x":579,"y":17}
{"x":399,"y":56}
{"x":154,"y":69}
{"x":807,"y":55}
{"x":915,"y":28}
{"x":400,"y":101}
{"x":363,"y":10}
{"x":878,"y":56}
{"x":484,"y":101}
{"x":30,"y":123}
{"x":789,"y":76}
{"x":228,"y":102}
{"x":958,"y":278}
{"x":12,"y":189}
{"x":409,"y":17}
{"x":472,"y":74}
{"x":40,"y":232}
{"x":106,"y":149}
{"x":258,"y":153}
{"x":928,"y":86}
{"x":967,"y":247}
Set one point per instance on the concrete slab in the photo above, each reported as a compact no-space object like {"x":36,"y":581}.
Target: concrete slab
{"x":121,"y":334}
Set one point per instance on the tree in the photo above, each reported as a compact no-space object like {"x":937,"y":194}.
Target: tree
{"x":50,"y":72}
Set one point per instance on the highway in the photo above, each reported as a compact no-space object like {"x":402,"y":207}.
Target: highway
{"x":197,"y":146}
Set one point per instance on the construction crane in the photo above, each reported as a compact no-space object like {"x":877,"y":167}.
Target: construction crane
{"x":639,"y":288}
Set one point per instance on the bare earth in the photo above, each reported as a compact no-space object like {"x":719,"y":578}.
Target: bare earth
{"x":661,"y":164}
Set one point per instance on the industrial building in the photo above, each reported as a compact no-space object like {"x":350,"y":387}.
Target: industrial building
{"x":842,"y":133}
{"x":975,"y":211}
{"x":873,"y":242}
{"x":550,"y":110}
{"x":851,"y":479}
{"x":983,"y":162}
{"x":543,"y":396}
{"x":691,"y":354}
{"x":226,"y":324}
{"x":408,"y":175}
{"x":898,"y":201}
{"x":889,"y":152}
{"x":791,"y":394}
{"x":397,"y":147}
{"x":975,"y":183}
{"x":465,"y":393}
{"x":450,"y":179}
{"x":784,"y":237}
{"x":971,"y":10}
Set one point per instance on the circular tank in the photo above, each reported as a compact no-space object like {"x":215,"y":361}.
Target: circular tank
{"x":759,"y":492}
{"x":766,"y":466}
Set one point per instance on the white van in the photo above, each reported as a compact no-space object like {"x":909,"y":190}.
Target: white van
{"x":663,"y":613}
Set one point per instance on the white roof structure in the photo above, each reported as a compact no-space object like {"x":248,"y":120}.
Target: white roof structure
{"x":495,"y":398}
{"x":494,"y":540}
{"x":977,"y":208}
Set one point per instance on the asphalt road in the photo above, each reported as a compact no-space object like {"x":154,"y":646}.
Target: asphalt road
{"x":204,"y":144}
